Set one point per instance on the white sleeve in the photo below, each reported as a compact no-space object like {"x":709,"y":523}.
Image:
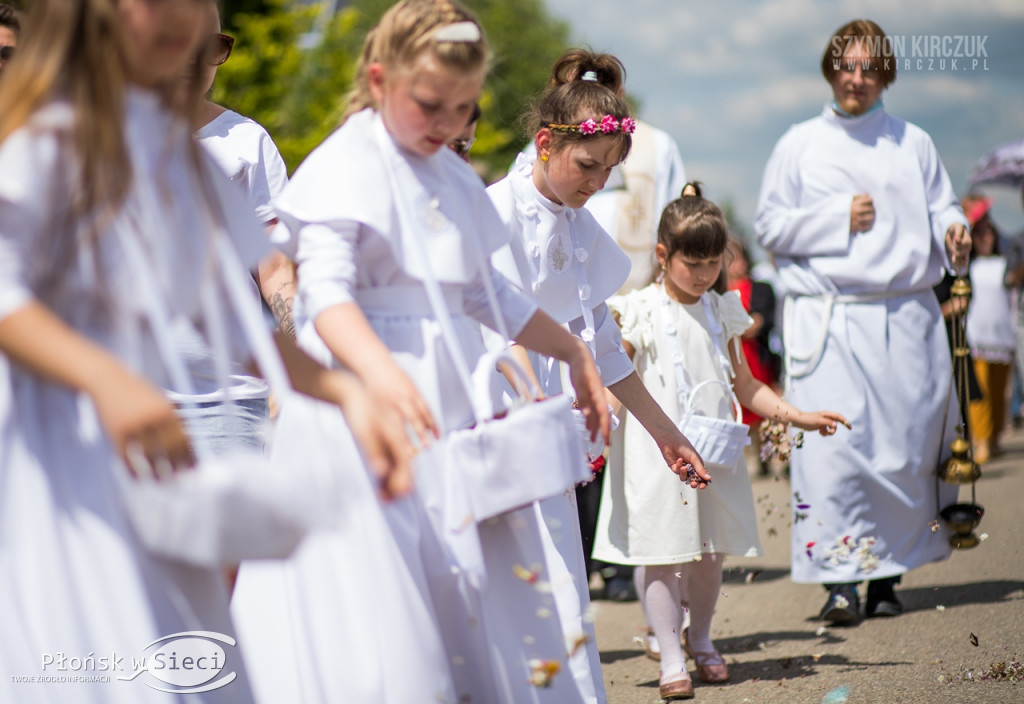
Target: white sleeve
{"x":326,"y":265}
{"x":515,"y":308}
{"x":943,"y":205}
{"x":612,"y":360}
{"x":27,"y":167}
{"x":784,"y":226}
{"x":267,"y":178}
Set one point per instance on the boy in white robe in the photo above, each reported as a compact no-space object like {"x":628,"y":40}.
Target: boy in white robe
{"x":861,"y":217}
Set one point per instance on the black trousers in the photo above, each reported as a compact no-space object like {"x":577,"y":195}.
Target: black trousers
{"x":588,"y":502}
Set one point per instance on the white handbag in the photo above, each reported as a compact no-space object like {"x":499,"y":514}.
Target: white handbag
{"x":233,"y":506}
{"x":529,"y":453}
{"x":719,"y":442}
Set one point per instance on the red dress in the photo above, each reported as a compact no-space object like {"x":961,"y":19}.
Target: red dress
{"x":752,"y":348}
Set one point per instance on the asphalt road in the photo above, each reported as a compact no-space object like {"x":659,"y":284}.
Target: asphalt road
{"x":768,"y":632}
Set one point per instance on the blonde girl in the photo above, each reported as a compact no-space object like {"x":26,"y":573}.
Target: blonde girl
{"x":92,"y":143}
{"x":398,"y":609}
{"x":681,"y":332}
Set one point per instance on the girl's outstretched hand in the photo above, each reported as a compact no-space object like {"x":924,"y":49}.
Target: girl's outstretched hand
{"x":141,"y":424}
{"x":590,"y":393}
{"x":825,"y":422}
{"x":684,"y":461}
{"x":379,"y":432}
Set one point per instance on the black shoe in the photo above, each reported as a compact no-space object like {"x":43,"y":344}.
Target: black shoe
{"x":881,"y":601}
{"x":843,"y":605}
{"x":620,"y":589}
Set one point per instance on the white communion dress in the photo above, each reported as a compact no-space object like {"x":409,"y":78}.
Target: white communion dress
{"x":570,"y":266}
{"x":392,"y":607}
{"x":647,"y":516}
{"x":74,"y":577}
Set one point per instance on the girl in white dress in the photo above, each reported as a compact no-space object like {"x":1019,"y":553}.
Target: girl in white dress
{"x":570,"y":265}
{"x":678,"y":331}
{"x":389,"y":607}
{"x":92,"y":144}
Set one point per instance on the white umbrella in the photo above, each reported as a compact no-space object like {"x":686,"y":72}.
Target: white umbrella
{"x":1002,"y":165}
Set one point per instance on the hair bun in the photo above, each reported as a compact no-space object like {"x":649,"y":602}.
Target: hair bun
{"x":692,"y":190}
{"x":586,"y":65}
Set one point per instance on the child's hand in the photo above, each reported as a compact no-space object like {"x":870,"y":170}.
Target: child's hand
{"x":141,"y":424}
{"x":825,"y":422}
{"x":391,"y":388}
{"x":590,"y":395}
{"x":379,"y":432}
{"x":684,"y":461}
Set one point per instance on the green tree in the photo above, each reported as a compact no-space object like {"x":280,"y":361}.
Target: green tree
{"x":295,"y":93}
{"x":298,"y":93}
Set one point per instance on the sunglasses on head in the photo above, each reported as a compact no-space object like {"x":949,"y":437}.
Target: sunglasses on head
{"x":461,"y":146}
{"x":219,"y":49}
{"x":6,"y":53}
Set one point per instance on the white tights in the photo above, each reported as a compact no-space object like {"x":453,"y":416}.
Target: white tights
{"x":665,"y":592}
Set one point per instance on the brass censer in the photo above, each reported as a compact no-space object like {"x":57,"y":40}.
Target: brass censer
{"x":960,"y":468}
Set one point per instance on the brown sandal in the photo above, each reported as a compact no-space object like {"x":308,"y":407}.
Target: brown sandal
{"x":711,"y":667}
{"x":680,"y":687}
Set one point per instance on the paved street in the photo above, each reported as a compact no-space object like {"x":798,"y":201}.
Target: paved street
{"x":767,"y":631}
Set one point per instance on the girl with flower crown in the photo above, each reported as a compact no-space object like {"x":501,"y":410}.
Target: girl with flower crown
{"x":570,"y":265}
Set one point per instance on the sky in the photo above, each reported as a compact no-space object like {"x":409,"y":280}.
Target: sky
{"x":726,"y":79}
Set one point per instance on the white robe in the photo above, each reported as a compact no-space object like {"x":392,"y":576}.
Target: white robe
{"x":381,"y":610}
{"x":864,"y":337}
{"x":73,"y":575}
{"x":560,"y":255}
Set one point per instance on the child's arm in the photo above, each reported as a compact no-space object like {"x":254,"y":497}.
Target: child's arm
{"x":353,"y":342}
{"x":544,"y":335}
{"x":760,"y":398}
{"x":613,"y":400}
{"x":375,"y":426}
{"x":521,"y":355}
{"x":136,"y":415}
{"x":674,"y":446}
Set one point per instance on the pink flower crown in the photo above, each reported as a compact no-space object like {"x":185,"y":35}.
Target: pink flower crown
{"x":609,"y":124}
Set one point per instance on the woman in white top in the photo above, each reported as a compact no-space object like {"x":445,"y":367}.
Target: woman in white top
{"x":989,"y":329}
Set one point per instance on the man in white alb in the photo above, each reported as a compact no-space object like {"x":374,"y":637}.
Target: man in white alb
{"x":861,"y":217}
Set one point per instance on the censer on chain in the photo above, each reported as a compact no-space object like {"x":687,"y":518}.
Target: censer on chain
{"x":960,"y":468}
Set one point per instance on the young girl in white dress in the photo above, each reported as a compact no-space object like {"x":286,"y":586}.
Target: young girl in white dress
{"x":93,"y":143}
{"x":681,"y":332}
{"x":390,"y":607}
{"x":570,"y":265}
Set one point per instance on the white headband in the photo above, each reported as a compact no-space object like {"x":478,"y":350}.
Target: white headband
{"x":459,"y":32}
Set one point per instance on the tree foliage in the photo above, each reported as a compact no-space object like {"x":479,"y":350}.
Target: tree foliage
{"x":291,"y":74}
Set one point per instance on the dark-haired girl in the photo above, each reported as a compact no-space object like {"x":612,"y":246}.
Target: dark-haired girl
{"x":683,"y":333}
